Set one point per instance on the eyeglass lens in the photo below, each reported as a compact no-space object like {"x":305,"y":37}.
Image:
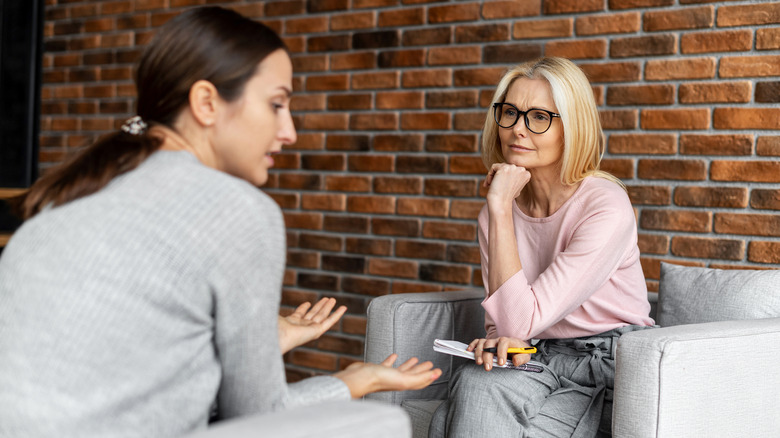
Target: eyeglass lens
{"x":537,"y":121}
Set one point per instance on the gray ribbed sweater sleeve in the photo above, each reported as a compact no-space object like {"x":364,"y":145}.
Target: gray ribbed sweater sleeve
{"x":140,"y":309}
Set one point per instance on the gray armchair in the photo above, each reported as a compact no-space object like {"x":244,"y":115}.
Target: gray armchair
{"x":712,"y":369}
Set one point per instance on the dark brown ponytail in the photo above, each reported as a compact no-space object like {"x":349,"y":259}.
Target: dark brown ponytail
{"x":207,"y":43}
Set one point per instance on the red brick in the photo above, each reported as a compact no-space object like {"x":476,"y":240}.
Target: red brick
{"x":469,"y":121}
{"x":676,"y":220}
{"x":327,"y":82}
{"x":293,"y":7}
{"x":348,"y":142}
{"x":765,"y":199}
{"x":695,"y":144}
{"x":324,"y":242}
{"x":423,"y":207}
{"x":482,"y":33}
{"x":768,"y":146}
{"x":463,"y":254}
{"x":396,"y":143}
{"x":402,"y":58}
{"x":308,"y":102}
{"x":461,"y":209}
{"x":346,"y":224}
{"x":608,"y":24}
{"x":688,"y":18}
{"x":768,"y":39}
{"x":653,"y":243}
{"x":379,"y":80}
{"x":683,"y":170}
{"x":306,"y":25}
{"x":613,"y":72}
{"x":749,"y":171}
{"x":454,"y":55}
{"x":572,"y":6}
{"x":621,"y":168}
{"x":370,"y":163}
{"x":427,"y":36}
{"x":329,"y":202}
{"x":355,"y":20}
{"x":287,"y":160}
{"x":401,"y":17}
{"x":453,"y":13}
{"x":349,"y":101}
{"x":707,"y":248}
{"x":508,"y":9}
{"x":748,"y":224}
{"x":631,"y":4}
{"x":746,"y":118}
{"x":393,"y":184}
{"x":450,"y":187}
{"x":313,"y":359}
{"x":364,"y":286}
{"x":352,"y":61}
{"x":357,"y":4}
{"x":393,"y":268}
{"x":451,"y":99}
{"x":764,"y":252}
{"x":310,"y":63}
{"x":371,"y":204}
{"x":427,"y":78}
{"x":577,"y":49}
{"x":300,"y":181}
{"x":478,"y":76}
{"x":640,"y":94}
{"x":681,"y":118}
{"x":369,"y":246}
{"x":340,"y":183}
{"x":445,"y":273}
{"x":619,"y":119}
{"x":421,"y":164}
{"x":643,"y":144}
{"x":768,"y":92}
{"x":425,"y":121}
{"x":708,"y":42}
{"x":509,"y":53}
{"x":534,"y":29}
{"x":451,"y":143}
{"x":309,"y":221}
{"x":715,"y":92}
{"x":325,"y":121}
{"x":652,"y":45}
{"x":404,"y":287}
{"x":373,"y":121}
{"x":400,"y":100}
{"x":650,"y":195}
{"x":449,"y":230}
{"x":748,"y":66}
{"x":697,"y":68}
{"x":741,"y":15}
{"x":395,"y":227}
{"x":295,"y":44}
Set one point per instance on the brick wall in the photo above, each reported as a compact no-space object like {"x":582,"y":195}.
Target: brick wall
{"x":383,"y":187}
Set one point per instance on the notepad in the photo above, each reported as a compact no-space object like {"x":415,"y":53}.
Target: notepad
{"x":457,"y":348}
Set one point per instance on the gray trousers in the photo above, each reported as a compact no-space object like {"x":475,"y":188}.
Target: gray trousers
{"x":571,"y":397}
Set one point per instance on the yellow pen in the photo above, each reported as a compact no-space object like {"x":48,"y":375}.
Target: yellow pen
{"x":521,"y":350}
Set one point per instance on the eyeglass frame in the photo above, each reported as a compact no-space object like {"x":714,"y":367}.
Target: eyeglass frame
{"x":525,"y":116}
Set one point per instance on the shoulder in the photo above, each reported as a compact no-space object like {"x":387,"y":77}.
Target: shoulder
{"x":602,"y":194}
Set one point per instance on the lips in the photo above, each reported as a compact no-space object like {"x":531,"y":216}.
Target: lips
{"x":519,"y":148}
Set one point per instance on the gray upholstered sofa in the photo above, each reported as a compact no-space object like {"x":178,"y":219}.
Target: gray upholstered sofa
{"x":712,"y":369}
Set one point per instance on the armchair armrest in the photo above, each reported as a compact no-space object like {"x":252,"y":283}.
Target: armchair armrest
{"x":407,"y":324}
{"x":711,"y":379}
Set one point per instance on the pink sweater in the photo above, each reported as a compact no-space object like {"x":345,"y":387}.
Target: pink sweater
{"x":581,"y":273}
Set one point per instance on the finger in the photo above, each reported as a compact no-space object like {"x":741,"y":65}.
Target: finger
{"x":472,"y":345}
{"x":422,"y":380}
{"x":314,"y":310}
{"x":331,"y":320}
{"x":408,"y":365}
{"x":478,"y":351}
{"x":503,"y":344}
{"x":300,"y":311}
{"x":324,"y":310}
{"x":519,"y":359}
{"x":389,"y":361}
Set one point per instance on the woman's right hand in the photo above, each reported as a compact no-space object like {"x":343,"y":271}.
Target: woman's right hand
{"x":364,"y":378}
{"x":506,"y":181}
{"x":502,"y":344}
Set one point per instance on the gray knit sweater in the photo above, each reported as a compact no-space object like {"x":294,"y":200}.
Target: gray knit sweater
{"x":140,"y":309}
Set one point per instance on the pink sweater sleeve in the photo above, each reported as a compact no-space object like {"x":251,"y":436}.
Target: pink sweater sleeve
{"x":594,"y":266}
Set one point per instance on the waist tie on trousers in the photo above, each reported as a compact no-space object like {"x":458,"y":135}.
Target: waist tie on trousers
{"x":596,"y":348}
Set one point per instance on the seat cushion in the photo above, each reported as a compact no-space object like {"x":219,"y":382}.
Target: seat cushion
{"x":420,"y":412}
{"x":689,"y":295}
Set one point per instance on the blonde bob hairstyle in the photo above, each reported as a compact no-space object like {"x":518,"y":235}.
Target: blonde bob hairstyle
{"x":583,"y":139}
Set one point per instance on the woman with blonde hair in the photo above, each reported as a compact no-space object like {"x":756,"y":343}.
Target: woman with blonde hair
{"x":560,"y":264}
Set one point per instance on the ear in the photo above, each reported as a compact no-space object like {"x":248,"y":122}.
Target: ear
{"x":204,"y":102}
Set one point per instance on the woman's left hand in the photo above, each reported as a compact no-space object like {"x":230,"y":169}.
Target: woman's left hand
{"x":502,"y":344}
{"x":308,"y":323}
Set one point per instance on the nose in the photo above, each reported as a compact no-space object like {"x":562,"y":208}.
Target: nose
{"x":286,"y":133}
{"x":520,"y":128}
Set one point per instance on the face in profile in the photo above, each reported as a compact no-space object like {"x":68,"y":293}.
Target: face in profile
{"x":522,"y":146}
{"x":258,"y":124}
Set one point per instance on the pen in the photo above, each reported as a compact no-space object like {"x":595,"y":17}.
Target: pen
{"x":523,"y":350}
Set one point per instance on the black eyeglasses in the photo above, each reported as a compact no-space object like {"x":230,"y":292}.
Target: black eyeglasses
{"x":537,"y":120}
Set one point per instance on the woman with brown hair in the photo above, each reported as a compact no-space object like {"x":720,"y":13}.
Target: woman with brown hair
{"x":141,"y":295}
